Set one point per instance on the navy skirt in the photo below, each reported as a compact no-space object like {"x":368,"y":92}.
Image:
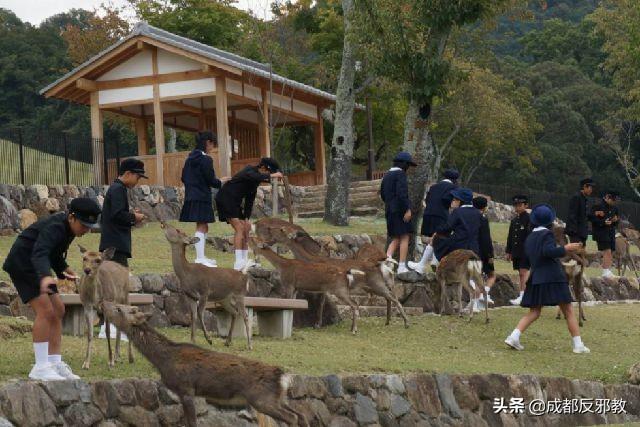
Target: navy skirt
{"x":546,"y":294}
{"x":431,"y":224}
{"x":396,"y":226}
{"x":196,"y":211}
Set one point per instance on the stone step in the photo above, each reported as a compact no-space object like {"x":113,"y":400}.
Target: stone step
{"x":377,"y":311}
{"x":363,"y":211}
{"x":315,"y":205}
{"x":322,"y":194}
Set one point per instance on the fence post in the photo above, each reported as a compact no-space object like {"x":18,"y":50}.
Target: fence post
{"x":21,"y":146}
{"x":66,"y":158}
{"x":117,"y":152}
{"x":104,"y":158}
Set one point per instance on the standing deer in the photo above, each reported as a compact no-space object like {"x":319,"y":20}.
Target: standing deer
{"x":201,"y":284}
{"x":268,"y":230}
{"x":221,"y":378}
{"x":103,"y":280}
{"x":623,"y":257}
{"x":574,"y":264}
{"x":458,"y":268}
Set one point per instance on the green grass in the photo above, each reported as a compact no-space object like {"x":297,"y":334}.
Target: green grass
{"x":431,"y":344}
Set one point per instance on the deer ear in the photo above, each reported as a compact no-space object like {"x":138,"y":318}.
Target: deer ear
{"x":108,"y":253}
{"x":190,"y":240}
{"x":82,"y":248}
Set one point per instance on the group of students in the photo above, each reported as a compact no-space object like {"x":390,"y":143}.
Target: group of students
{"x":453,"y":219}
{"x":42,"y":247}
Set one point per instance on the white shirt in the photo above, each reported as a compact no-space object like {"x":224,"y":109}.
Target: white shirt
{"x":540,"y":228}
{"x":395,"y":168}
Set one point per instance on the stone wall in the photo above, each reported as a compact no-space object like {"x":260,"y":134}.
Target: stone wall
{"x":336,"y":401}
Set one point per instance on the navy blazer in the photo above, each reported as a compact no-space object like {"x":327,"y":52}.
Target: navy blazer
{"x":543,"y":255}
{"x":577,"y":225}
{"x":464,"y":223}
{"x":519,"y":229}
{"x":116,"y":219}
{"x":394,"y":191}
{"x":438,"y":200}
{"x":599,"y":229}
{"x":198,"y":177}
{"x":486,"y":243}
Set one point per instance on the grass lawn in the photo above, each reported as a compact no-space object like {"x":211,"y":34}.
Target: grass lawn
{"x":431,"y":344}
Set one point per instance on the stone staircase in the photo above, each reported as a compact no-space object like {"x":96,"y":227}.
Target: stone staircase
{"x":363,"y":196}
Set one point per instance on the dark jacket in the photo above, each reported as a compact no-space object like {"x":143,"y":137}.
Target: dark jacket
{"x":198,"y":177}
{"x":600,"y":230}
{"x":464,"y":225}
{"x":438,"y":200}
{"x":116,"y":220}
{"x":519,"y":229}
{"x":240,"y":191}
{"x":486,"y":243}
{"x":394,"y":191}
{"x":577,"y":225}
{"x":41,"y":247}
{"x":543,"y":256}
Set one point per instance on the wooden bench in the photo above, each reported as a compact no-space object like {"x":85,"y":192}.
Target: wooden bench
{"x":275,"y":316}
{"x":74,"y":323}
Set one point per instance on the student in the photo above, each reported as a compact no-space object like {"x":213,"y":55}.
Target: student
{"x":235,"y":200}
{"x":604,"y":217}
{"x":519,"y":229}
{"x":397,"y":208}
{"x":117,"y":220}
{"x":436,"y":213}
{"x":577,"y":228}
{"x":548,"y":283}
{"x":486,"y":248}
{"x":198,"y":177}
{"x":40,"y":248}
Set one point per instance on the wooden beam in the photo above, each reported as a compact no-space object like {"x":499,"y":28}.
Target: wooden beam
{"x":86,"y":84}
{"x":321,"y":172}
{"x":158,"y":122}
{"x":222,"y":127}
{"x":293,"y":114}
{"x":183,"y":106}
{"x":264,"y":143}
{"x":141,"y":132}
{"x":179,"y":76}
{"x":252,"y":107}
{"x":97,"y":140}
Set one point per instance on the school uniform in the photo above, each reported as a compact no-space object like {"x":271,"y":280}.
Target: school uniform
{"x":486,"y":246}
{"x":437,"y":205}
{"x":462,"y":231}
{"x":577,"y":227}
{"x":394,"y":192}
{"x":198,"y":177}
{"x":40,"y":248}
{"x":236,"y":197}
{"x":547,"y":283}
{"x":519,"y":230}
{"x":603,"y":234}
{"x":116,"y":223}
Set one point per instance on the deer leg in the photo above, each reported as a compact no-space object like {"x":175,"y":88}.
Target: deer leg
{"x":269,"y":404}
{"x":130,"y":351}
{"x":344,"y":296}
{"x":107,"y":328}
{"x":189,"y":408}
{"x":202,"y":304}
{"x":194,"y":317}
{"x":486,"y":305}
{"x":245,"y":318}
{"x":443,"y":296}
{"x":388,"y":321}
{"x":118,"y":338}
{"x":460,"y":300}
{"x":88,"y":317}
{"x":323,"y":299}
{"x":632,"y":265}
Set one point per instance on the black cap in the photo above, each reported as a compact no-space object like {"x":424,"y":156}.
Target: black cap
{"x":611,"y":193}
{"x":403,"y":156}
{"x":86,"y":211}
{"x":586,"y":181}
{"x":270,"y":164}
{"x":451,"y":174}
{"x":520,"y":198}
{"x":132,"y":165}
{"x":480,"y":202}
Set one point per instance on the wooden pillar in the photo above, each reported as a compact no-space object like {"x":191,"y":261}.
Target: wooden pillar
{"x":222,"y":126}
{"x":143,"y":141}
{"x":158,"y":122}
{"x":318,"y":133}
{"x":264,"y":144}
{"x":97,"y":140}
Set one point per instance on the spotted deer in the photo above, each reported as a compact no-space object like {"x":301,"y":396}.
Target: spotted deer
{"x":573,"y":264}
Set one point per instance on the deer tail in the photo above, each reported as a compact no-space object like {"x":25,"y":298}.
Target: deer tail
{"x":474,"y":266}
{"x":285,"y":382}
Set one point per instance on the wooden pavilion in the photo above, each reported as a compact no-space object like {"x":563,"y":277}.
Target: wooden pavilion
{"x":155,"y":76}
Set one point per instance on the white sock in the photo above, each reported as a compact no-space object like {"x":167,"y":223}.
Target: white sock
{"x":516,"y":334}
{"x":577,"y":341}
{"x":239,"y":260}
{"x":426,"y":255}
{"x":486,"y":288}
{"x":41,"y":350}
{"x":245,"y":254}
{"x":521,"y":294}
{"x":55,"y":358}
{"x":200,"y":244}
{"x":402,"y":265}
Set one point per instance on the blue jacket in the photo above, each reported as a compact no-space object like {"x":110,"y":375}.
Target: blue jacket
{"x":464,"y":223}
{"x":438,"y":200}
{"x":198,"y":177}
{"x":394,"y":191}
{"x":543,"y":255}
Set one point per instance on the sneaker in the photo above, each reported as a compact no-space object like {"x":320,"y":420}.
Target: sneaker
{"x":402,"y":269}
{"x":516,"y":301}
{"x":206,"y":262}
{"x":581,"y":349}
{"x":513,"y":343}
{"x":489,"y":300}
{"x":45,"y":372}
{"x":64,"y":371}
{"x":416,"y":266}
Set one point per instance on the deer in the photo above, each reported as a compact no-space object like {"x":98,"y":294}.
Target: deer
{"x":458,"y":268}
{"x":221,"y":378}
{"x":202,"y":284}
{"x":102,"y":280}
{"x":313,"y":277}
{"x":574,"y":264}
{"x":370,"y":252}
{"x":268,"y":230}
{"x":378,"y":275}
{"x":623,"y":257}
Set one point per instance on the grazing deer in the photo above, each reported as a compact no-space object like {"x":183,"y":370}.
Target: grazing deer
{"x":370,"y":252}
{"x":458,"y":268}
{"x":102,"y":280}
{"x":221,"y":378}
{"x":313,"y":277}
{"x":201,"y":284}
{"x":378,"y":276}
{"x":623,"y":257}
{"x":268,"y":230}
{"x":574,"y":264}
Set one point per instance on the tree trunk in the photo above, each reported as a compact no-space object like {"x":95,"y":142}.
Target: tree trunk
{"x":336,"y":207}
{"x":171,"y":140}
{"x":418,"y":142}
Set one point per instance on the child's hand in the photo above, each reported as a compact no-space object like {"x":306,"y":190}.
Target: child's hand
{"x":572,"y":247}
{"x":407,"y":216}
